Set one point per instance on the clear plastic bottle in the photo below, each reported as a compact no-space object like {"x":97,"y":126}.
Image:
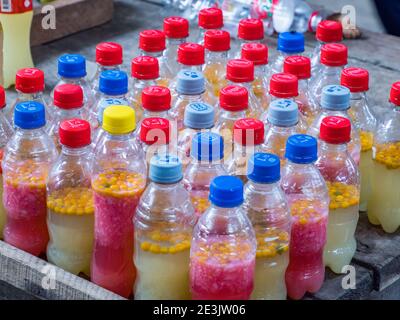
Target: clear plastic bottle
{"x":248,"y":136}
{"x":27,"y":160}
{"x":156,"y":102}
{"x":70,"y":209}
{"x":198,"y":117}
{"x":328,"y":31}
{"x":300,"y":66}
{"x":209,"y":19}
{"x":333,"y":59}
{"x":153,"y":43}
{"x":357,"y":80}
{"x":335,"y":101}
{"x":164,"y":223}
{"x":343,"y":180}
{"x":118,"y":181}
{"x":258,"y":54}
{"x":308,"y":198}
{"x":223,"y":251}
{"x":240,"y":72}
{"x":289,"y":44}
{"x":268,"y":210}
{"x":67,"y":104}
{"x":207,"y":154}
{"x":250,"y":30}
{"x":217,"y":45}
{"x":145,"y":72}
{"x":282,"y":122}
{"x":383,"y":202}
{"x":176,"y":30}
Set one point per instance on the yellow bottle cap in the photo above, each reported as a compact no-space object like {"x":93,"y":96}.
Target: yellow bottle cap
{"x":119,"y":119}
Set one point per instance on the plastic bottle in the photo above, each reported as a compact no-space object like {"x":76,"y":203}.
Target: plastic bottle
{"x":118,"y":180}
{"x":153,"y":43}
{"x":209,"y":19}
{"x":164,"y":223}
{"x":308,"y":198}
{"x":198,"y":117}
{"x":300,"y":66}
{"x":70,"y":209}
{"x":240,"y":72}
{"x":207,"y":154}
{"x":335,"y":101}
{"x":109,"y":56}
{"x":26,"y":163}
{"x":6,"y":132}
{"x":268,"y":210}
{"x":156,"y":102}
{"x":328,"y":31}
{"x":223,"y":252}
{"x":343,"y":180}
{"x":67,"y":104}
{"x":258,"y":54}
{"x":248,"y":136}
{"x":176,"y":30}
{"x":249,"y":31}
{"x":145,"y":72}
{"x":217,"y":45}
{"x":333,"y":60}
{"x":383,"y":202}
{"x":289,"y":44}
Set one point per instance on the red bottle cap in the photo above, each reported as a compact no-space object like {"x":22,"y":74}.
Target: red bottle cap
{"x":284,"y":85}
{"x":176,"y":27}
{"x":29,"y":80}
{"x":156,"y":98}
{"x":299,"y":66}
{"x":329,"y":31}
{"x":356,"y":79}
{"x":145,"y":68}
{"x":152,"y":40}
{"x":191,"y":54}
{"x":2,"y":98}
{"x":251,"y":29}
{"x":240,"y":70}
{"x":74,"y":133}
{"x":68,"y":96}
{"x":256,"y":53}
{"x":234,"y":98}
{"x":217,"y":40}
{"x":154,"y":130}
{"x":334,"y":54}
{"x":16,"y":6}
{"x":248,"y":132}
{"x":211,"y":18}
{"x":395,"y":93}
{"x":109,"y":54}
{"x":335,"y":130}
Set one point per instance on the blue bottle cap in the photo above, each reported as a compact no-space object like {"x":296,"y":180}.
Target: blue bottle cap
{"x":283,"y":113}
{"x":301,"y":148}
{"x":72,"y":66}
{"x":207,"y":146}
{"x":29,"y":115}
{"x":335,"y":97}
{"x":226,"y":191}
{"x":190,"y":82}
{"x":199,"y":115}
{"x":165,"y":169}
{"x":264,"y":168}
{"x":291,"y":42}
{"x":113,"y":82}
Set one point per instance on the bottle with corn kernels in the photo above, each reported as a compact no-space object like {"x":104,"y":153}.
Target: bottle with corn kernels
{"x":223,"y":249}
{"x":70,"y":209}
{"x":383,"y":201}
{"x":27,"y":160}
{"x":268,"y":210}
{"x":164,"y":223}
{"x":118,"y":180}
{"x":357,"y":80}
{"x":308,"y":198}
{"x":343,"y":180}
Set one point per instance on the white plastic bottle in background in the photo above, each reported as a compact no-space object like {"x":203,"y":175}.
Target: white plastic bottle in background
{"x":289,"y":44}
{"x":209,"y":19}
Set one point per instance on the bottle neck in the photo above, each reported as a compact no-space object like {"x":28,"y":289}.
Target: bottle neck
{"x":261,"y":70}
{"x":30,"y":96}
{"x":216,"y":56}
{"x":31,"y":133}
{"x":358,"y":96}
{"x":264,"y":187}
{"x":304,"y":85}
{"x":102,"y":68}
{"x":156,"y":54}
{"x":69,"y":113}
{"x":118,"y":137}
{"x":114,"y":97}
{"x":166,"y":186}
{"x":194,"y":97}
{"x":198,"y":68}
{"x":332,"y":148}
{"x":175,"y":41}
{"x":76,"y":152}
{"x":328,"y":70}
